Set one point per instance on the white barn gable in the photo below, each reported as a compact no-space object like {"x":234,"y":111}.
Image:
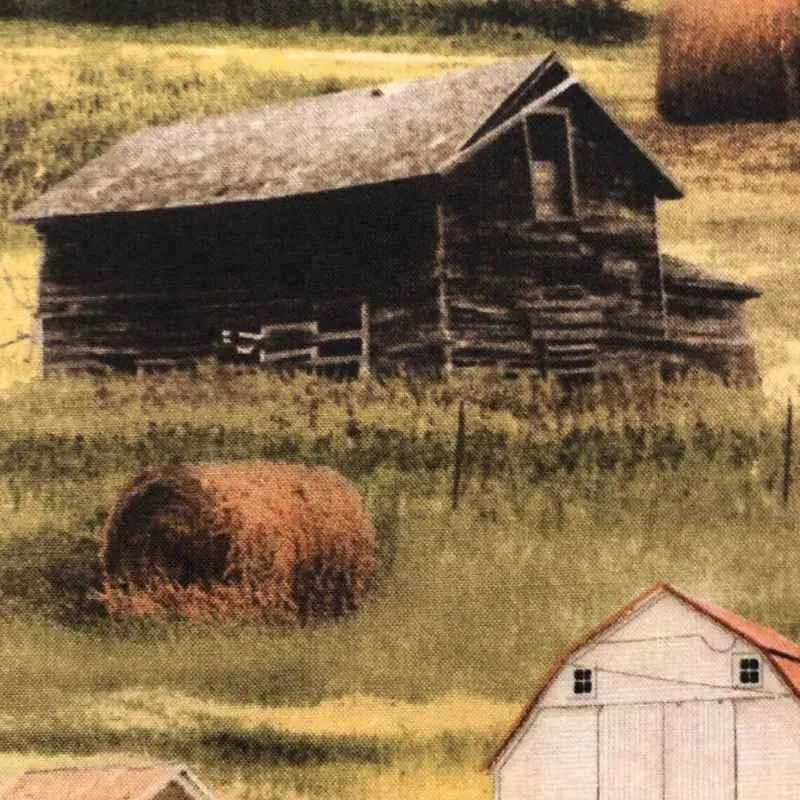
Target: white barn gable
{"x":671,"y":699}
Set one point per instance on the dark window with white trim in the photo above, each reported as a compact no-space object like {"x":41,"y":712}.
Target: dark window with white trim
{"x":582,"y":681}
{"x":749,"y":671}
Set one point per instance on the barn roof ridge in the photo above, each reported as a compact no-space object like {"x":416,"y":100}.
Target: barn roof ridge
{"x":508,"y":101}
{"x":777,"y":648}
{"x":309,"y":146}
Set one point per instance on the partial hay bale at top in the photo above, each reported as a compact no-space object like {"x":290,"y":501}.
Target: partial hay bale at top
{"x":729,"y":60}
{"x":281,"y":542}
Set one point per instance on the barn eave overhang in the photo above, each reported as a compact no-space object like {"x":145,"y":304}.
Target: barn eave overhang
{"x":44,"y":221}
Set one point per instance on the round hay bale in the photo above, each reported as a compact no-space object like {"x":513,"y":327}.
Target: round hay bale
{"x":730,"y":60}
{"x":243,"y":541}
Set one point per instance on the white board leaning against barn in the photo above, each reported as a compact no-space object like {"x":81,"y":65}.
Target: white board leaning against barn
{"x":669,"y":699}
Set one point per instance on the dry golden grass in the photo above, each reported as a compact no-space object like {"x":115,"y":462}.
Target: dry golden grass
{"x":353,"y":715}
{"x":647,"y":6}
{"x":18,"y":287}
{"x":404,"y":782}
{"x":427,"y":777}
{"x":21,"y":62}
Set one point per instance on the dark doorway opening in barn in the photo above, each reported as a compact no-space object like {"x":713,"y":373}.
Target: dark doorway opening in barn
{"x":551,"y":166}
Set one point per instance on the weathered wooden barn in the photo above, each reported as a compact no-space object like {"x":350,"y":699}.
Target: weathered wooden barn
{"x":493,"y":216}
{"x":144,"y":782}
{"x":669,"y":698}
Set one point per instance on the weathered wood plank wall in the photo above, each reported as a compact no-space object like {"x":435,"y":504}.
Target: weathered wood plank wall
{"x":125,"y":289}
{"x":582,"y":293}
{"x":538,"y":293}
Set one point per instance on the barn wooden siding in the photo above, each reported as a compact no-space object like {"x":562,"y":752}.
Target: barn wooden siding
{"x":141,"y":290}
{"x":475,"y":265}
{"x":574,"y":295}
{"x":706,"y":323}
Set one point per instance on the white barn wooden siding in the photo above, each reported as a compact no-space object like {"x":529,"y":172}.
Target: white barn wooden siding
{"x":564,"y":736}
{"x":630,"y":755}
{"x":667,"y":717}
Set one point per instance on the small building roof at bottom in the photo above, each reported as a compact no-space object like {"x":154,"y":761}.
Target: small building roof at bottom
{"x":160,"y":781}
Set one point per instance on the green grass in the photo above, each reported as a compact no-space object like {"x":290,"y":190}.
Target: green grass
{"x":569,"y":508}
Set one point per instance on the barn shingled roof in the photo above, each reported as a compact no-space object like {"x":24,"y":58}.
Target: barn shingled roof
{"x":782,"y":653}
{"x":324,"y":143}
{"x":141,"y":782}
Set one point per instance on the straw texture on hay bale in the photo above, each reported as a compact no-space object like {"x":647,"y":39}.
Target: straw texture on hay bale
{"x":254,"y":540}
{"x":727,"y":60}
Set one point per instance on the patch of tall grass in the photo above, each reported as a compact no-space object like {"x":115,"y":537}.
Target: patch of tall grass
{"x":583,"y":20}
{"x":570,"y":505}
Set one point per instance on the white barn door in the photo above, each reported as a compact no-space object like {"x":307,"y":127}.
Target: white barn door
{"x":699,"y":750}
{"x":555,"y":760}
{"x":631,"y":765}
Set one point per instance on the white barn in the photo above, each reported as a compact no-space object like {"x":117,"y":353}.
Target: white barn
{"x":669,"y":699}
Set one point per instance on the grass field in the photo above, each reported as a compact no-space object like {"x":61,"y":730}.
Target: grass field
{"x":568,"y":509}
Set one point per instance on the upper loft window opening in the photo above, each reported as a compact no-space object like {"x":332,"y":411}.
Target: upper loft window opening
{"x":749,"y":670}
{"x":551,"y":166}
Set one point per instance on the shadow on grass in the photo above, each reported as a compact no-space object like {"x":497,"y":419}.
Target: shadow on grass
{"x":263,"y":746}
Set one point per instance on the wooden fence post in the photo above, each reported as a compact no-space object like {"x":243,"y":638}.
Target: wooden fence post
{"x":458,"y":466}
{"x":787,"y":452}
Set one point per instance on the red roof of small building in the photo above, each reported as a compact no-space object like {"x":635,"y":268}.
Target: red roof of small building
{"x":142,"y":782}
{"x":782,"y":653}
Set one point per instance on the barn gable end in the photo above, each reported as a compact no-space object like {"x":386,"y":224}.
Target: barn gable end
{"x":554,"y":264}
{"x":667,"y":651}
{"x":665,"y":708}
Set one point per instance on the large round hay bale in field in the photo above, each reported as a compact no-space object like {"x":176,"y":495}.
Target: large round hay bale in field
{"x":283,"y":542}
{"x":730,"y":60}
